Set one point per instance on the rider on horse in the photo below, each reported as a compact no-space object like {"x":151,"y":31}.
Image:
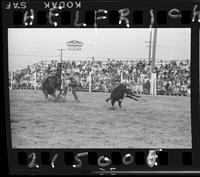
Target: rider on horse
{"x":52,"y":83}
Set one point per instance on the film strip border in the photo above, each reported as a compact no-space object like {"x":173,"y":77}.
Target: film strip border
{"x":97,"y":161}
{"x":20,"y":18}
{"x":101,"y":14}
{"x":90,"y":14}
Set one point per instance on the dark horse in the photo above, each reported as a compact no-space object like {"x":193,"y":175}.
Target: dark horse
{"x":119,"y":93}
{"x":50,"y":85}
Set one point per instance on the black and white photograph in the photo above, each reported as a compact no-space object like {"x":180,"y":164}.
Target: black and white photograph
{"x":100,"y":87}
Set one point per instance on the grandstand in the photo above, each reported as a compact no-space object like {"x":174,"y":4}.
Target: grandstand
{"x":172,"y":77}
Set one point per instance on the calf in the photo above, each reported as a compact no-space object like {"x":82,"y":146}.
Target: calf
{"x":119,"y":93}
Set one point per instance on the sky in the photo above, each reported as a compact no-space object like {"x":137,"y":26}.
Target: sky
{"x":27,"y":46}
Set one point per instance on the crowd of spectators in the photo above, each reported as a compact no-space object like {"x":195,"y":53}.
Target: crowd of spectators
{"x":173,"y":77}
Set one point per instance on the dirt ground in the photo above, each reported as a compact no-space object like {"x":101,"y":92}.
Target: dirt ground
{"x":151,"y":122}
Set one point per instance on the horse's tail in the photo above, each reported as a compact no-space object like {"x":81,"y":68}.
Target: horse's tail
{"x":108,"y":99}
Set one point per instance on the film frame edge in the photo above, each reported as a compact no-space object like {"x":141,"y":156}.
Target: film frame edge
{"x":194,"y":26}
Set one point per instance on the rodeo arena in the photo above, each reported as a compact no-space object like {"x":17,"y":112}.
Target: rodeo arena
{"x":101,"y":102}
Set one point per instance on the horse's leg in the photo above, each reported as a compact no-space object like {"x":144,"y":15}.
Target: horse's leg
{"x":54,"y":95}
{"x":45,"y":93}
{"x":59,"y":94}
{"x":108,"y":99}
{"x":129,"y":96}
{"x":120,"y":104}
{"x":137,"y":96}
{"x":65,"y":92}
{"x":75,"y":95}
{"x":112,"y":102}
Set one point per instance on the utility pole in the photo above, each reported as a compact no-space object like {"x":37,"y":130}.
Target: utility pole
{"x":61,"y":60}
{"x":150,"y":45}
{"x":153,"y":90}
{"x":154,"y":50}
{"x":61,"y":54}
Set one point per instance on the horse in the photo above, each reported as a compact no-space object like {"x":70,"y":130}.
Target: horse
{"x":50,"y":85}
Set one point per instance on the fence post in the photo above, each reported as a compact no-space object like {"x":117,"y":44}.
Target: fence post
{"x":11,"y":81}
{"x":35,"y":79}
{"x":62,"y":82}
{"x":121,"y":75}
{"x":90,"y":81}
{"x":153,"y":90}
